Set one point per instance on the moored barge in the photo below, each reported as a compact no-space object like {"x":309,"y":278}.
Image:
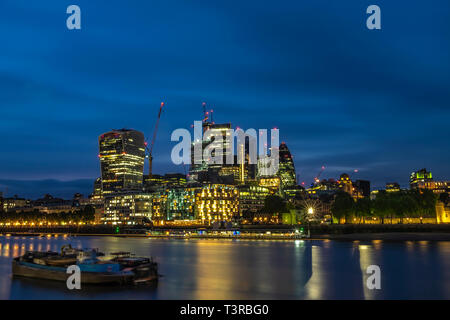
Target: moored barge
{"x":118,"y":268}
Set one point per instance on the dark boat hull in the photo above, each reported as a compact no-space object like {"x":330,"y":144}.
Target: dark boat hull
{"x":20,"y":269}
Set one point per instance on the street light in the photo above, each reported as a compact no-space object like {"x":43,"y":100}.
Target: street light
{"x":310,"y":213}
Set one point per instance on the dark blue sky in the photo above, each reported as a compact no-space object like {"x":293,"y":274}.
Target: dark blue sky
{"x":342,"y":96}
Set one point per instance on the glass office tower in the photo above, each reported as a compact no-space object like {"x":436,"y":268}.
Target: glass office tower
{"x":122,"y":156}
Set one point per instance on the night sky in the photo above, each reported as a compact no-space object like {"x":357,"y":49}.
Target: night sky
{"x":342,"y":96}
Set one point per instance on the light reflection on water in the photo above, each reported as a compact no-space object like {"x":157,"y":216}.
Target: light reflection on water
{"x":228,"y":269}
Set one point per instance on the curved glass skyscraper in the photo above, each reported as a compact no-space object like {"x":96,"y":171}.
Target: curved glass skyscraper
{"x":286,"y":170}
{"x":122,"y":156}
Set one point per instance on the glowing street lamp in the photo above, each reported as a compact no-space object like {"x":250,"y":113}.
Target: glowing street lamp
{"x":310,"y":213}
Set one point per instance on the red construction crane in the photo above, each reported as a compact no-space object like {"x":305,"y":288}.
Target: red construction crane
{"x":150,"y":149}
{"x":317,"y":179}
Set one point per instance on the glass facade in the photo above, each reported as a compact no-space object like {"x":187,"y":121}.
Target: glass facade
{"x":128,"y":208}
{"x":251,"y":199}
{"x":203,"y":204}
{"x":286,"y":170}
{"x":122,"y":156}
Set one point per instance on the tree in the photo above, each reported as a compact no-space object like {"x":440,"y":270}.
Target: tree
{"x":363,"y":208}
{"x":274,"y":204}
{"x":343,"y":206}
{"x":426,"y":202}
{"x":382,"y":206}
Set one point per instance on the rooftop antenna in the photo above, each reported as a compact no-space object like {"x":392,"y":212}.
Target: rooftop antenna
{"x":205,"y":113}
{"x":211,"y":113}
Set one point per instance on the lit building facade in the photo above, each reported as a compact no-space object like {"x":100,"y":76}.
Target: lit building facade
{"x":157,"y":182}
{"x":272,"y":183}
{"x":122,"y":156}
{"x":96,"y":198}
{"x":207,"y":171}
{"x":418,"y":178}
{"x":286,"y":170}
{"x":442,"y":213}
{"x":251,"y":199}
{"x":201,"y":204}
{"x":345,"y":184}
{"x":392,"y":187}
{"x":127,"y":208}
{"x":14,"y":204}
{"x":327,"y":187}
{"x":217,"y":203}
{"x":423,"y":179}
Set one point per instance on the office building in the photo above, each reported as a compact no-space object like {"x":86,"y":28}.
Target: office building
{"x":286,"y":170}
{"x":122,"y":155}
{"x":127,"y":208}
{"x":418,"y":178}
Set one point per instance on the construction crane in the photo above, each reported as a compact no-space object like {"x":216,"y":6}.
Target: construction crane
{"x":205,"y":113}
{"x":148,"y":148}
{"x":317,"y":178}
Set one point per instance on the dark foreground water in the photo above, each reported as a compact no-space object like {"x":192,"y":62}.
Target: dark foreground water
{"x":227,"y":269}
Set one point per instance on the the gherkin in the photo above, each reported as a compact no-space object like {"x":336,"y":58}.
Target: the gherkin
{"x":286,"y":170}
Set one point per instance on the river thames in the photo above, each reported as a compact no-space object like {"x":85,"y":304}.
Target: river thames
{"x":249,"y":269}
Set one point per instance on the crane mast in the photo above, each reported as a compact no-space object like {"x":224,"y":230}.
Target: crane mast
{"x":150,"y":149}
{"x":317,"y":179}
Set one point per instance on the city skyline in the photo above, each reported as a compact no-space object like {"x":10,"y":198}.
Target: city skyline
{"x":60,"y":90}
{"x":66,"y":189}
{"x":86,"y":186}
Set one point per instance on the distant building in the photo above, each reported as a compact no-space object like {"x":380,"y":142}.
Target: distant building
{"x":345,"y":184}
{"x":15,"y":204}
{"x":286,"y":170}
{"x":435,"y":186}
{"x":97,"y":192}
{"x":201,"y":204}
{"x":442,"y":213}
{"x":374,"y":194}
{"x":240,"y":171}
{"x":206,"y":171}
{"x":418,"y":178}
{"x":127,"y":208}
{"x":392,"y":187}
{"x":122,"y":156}
{"x":363,"y":186}
{"x":251,"y":200}
{"x":294,"y":192}
{"x":423,"y":179}
{"x":96,"y":198}
{"x":273,"y":183}
{"x":324,"y":187}
{"x":157,"y":182}
{"x":49,"y":204}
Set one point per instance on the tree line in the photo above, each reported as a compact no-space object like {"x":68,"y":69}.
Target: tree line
{"x":84,"y":215}
{"x":386,"y":206}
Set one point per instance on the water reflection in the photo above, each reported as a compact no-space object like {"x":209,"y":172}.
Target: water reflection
{"x":216,"y":269}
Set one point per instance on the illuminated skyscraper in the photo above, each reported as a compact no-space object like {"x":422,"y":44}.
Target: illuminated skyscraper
{"x":419,"y":178}
{"x":122,"y":155}
{"x":286,"y":170}
{"x":207,"y":171}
